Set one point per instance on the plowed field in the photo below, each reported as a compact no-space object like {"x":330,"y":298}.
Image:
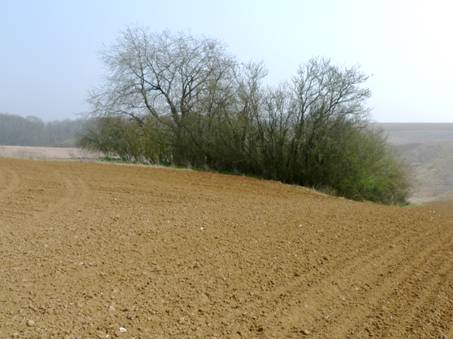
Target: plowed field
{"x":94,"y":250}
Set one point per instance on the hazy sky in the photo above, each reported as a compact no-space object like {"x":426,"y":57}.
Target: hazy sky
{"x":49,"y":52}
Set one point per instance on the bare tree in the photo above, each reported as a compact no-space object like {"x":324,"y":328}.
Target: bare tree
{"x":168,"y":77}
{"x":323,"y":96}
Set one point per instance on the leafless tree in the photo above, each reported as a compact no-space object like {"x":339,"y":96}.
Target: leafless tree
{"x":168,"y":77}
{"x":323,"y":96}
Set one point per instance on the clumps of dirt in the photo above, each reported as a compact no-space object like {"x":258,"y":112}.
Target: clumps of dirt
{"x":97,"y":250}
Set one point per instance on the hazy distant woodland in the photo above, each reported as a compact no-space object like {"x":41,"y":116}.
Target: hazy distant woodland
{"x":32,"y":131}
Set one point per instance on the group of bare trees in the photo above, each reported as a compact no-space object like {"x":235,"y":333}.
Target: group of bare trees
{"x":177,"y":99}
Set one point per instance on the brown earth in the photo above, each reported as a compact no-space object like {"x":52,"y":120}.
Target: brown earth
{"x":95,"y":250}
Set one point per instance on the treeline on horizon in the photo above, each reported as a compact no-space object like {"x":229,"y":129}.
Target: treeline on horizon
{"x":176,"y":99}
{"x":31,"y":131}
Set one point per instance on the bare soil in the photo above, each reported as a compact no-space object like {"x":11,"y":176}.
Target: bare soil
{"x":95,"y":250}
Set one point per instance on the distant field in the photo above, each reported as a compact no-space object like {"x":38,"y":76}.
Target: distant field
{"x":421,"y":133}
{"x":27,"y":152}
{"x":427,"y":149}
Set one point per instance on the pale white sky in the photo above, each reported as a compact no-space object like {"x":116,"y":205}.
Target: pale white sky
{"x":50,"y":48}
